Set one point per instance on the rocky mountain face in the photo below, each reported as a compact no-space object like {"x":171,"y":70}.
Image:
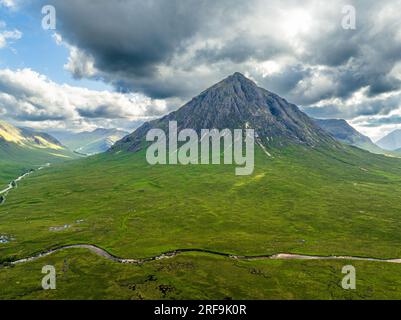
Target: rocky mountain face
{"x":392,"y":141}
{"x":344,"y":133}
{"x":238,"y":103}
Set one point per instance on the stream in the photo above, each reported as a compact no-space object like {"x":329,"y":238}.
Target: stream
{"x":281,"y":256}
{"x":13,"y":184}
{"x":103,"y":253}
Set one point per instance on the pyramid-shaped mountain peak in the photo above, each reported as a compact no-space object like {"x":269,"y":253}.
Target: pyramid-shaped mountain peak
{"x":236,"y":80}
{"x":237,"y":103}
{"x":238,"y":76}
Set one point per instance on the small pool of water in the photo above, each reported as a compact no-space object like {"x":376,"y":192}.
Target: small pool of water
{"x":5,"y":239}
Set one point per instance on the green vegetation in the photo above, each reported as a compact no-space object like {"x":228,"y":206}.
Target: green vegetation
{"x":85,"y":276}
{"x":301,"y":200}
{"x":23,"y":149}
{"x":133,"y":209}
{"x":15,"y":159}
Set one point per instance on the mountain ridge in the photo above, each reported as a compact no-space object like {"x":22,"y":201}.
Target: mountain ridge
{"x":21,"y":149}
{"x":391,"y":141}
{"x":345,"y":133}
{"x":237,"y":102}
{"x":26,"y":137}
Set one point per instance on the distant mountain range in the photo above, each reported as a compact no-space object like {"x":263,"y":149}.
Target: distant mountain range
{"x":236,"y":103}
{"x":345,"y":133}
{"x":392,"y":141}
{"x":90,"y":142}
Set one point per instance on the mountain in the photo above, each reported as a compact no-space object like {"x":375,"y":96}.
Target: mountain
{"x":22,"y":148}
{"x":28,"y":138}
{"x":90,"y":142}
{"x":238,"y":103}
{"x":310,"y":198}
{"x":345,"y":133}
{"x":392,"y":141}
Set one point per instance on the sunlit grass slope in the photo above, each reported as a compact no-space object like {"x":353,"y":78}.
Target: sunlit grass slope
{"x":16,"y":159}
{"x":299,"y":201}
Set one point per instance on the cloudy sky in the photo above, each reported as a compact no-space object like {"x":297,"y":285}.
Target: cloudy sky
{"x":118,"y":63}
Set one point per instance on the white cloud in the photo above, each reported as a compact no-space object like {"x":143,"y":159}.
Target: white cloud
{"x":58,"y":39}
{"x":10,"y":4}
{"x":6,"y":36}
{"x":80,"y":64}
{"x":179,"y":48}
{"x":26,"y":95}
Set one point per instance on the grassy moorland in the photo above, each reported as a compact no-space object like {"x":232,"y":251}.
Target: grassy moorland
{"x":16,"y":160}
{"x":299,"y":201}
{"x":85,"y":276}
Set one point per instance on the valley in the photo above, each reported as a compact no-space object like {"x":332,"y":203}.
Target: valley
{"x":137,"y":215}
{"x":23,"y":150}
{"x":203,"y":151}
{"x":115,"y":226}
{"x":13,"y":184}
{"x":90,"y":142}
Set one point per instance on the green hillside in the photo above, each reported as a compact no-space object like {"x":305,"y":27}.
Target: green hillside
{"x":308,"y":195}
{"x":15,"y":160}
{"x":22,"y":150}
{"x":301,"y":200}
{"x":345,"y":133}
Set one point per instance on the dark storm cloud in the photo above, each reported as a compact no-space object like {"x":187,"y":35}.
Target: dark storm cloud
{"x":379,"y":107}
{"x":128,"y":35}
{"x":129,"y":40}
{"x":102,"y":111}
{"x":286,"y":80}
{"x":176,"y":48}
{"x":243,"y":47}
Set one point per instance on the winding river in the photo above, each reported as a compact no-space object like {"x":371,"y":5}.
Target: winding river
{"x":103,"y":253}
{"x":281,"y":256}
